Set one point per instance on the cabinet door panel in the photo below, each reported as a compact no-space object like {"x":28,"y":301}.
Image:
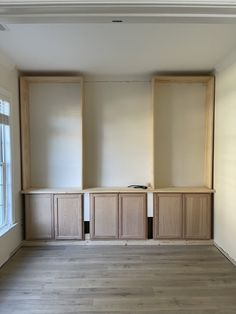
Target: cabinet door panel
{"x":39,"y":217}
{"x":68,"y":216}
{"x":197,"y":216}
{"x":132,"y":216}
{"x":104,"y":216}
{"x":168,"y":216}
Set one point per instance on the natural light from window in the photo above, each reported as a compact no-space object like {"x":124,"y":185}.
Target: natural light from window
{"x":5,"y":166}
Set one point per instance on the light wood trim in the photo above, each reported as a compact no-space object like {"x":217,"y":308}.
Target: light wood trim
{"x":182,"y":79}
{"x":82,"y":100}
{"x":153,"y":97}
{"x":143,"y":218}
{"x":70,"y":216}
{"x":93,"y":216}
{"x":25,"y":119}
{"x":201,"y":190}
{"x":206,"y":232}
{"x":25,"y":133}
{"x":156,"y":221}
{"x":209,"y":133}
{"x":119,"y":190}
{"x":53,"y":79}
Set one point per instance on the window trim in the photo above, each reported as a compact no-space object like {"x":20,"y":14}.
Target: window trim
{"x":5,"y":95}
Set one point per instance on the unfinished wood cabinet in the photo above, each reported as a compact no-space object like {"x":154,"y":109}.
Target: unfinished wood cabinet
{"x":197,"y":216}
{"x":183,"y":122}
{"x":51,"y":131}
{"x":168,"y":216}
{"x":39,"y":217}
{"x":68,"y":216}
{"x":132,"y":216}
{"x":104,"y":216}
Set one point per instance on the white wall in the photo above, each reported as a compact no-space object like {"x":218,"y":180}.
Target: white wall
{"x":9,"y":82}
{"x":55,"y":135}
{"x":118,"y":133}
{"x":225,"y":161}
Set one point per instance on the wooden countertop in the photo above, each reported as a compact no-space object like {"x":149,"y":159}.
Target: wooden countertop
{"x":117,"y":190}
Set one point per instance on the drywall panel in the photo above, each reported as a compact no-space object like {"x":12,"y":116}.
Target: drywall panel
{"x":225,"y":161}
{"x":55,"y":134}
{"x":118,"y":133}
{"x":179,"y":134}
{"x":9,"y":82}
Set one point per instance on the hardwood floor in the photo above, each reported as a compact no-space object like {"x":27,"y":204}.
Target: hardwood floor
{"x":118,"y":279}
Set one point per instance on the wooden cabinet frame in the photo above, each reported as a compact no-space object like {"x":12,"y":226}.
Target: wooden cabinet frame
{"x":143,"y":218}
{"x":79,"y":235}
{"x":209,"y":82}
{"x":204,"y":212}
{"x":118,"y":232}
{"x":156,"y":216}
{"x":93,"y":233}
{"x":200,"y":218}
{"x":25,"y":119}
{"x":49,"y":219}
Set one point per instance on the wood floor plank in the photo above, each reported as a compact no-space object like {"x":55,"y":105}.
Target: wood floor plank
{"x":119,"y":280}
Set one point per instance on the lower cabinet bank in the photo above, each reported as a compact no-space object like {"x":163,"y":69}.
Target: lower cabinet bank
{"x":118,"y":216}
{"x":50,"y":216}
{"x":182,"y":216}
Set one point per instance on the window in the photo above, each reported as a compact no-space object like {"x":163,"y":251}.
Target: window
{"x":5,"y":166}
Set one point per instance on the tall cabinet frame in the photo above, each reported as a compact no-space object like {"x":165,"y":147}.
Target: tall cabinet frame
{"x":25,"y":82}
{"x":208,"y":82}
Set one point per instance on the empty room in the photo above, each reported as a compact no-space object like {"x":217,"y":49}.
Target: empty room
{"x":117,"y":157}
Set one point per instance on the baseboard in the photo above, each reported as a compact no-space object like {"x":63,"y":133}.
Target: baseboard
{"x":233,"y":261}
{"x":11,"y":254}
{"x":118,"y":242}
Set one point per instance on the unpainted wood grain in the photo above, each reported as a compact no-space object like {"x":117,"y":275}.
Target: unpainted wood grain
{"x":118,"y":279}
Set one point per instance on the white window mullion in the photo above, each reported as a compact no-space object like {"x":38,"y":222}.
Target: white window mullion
{"x":5,"y":166}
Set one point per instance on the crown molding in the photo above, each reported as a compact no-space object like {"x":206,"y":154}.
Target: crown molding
{"x":130,"y":11}
{"x":119,"y":2}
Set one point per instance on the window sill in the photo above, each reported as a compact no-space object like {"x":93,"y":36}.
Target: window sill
{"x":6,"y":229}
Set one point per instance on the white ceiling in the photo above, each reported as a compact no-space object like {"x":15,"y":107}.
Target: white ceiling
{"x":118,"y":49}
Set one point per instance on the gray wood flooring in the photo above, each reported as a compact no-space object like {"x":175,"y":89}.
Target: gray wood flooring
{"x":118,"y":279}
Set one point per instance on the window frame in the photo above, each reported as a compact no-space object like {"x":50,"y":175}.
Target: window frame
{"x":10,"y":211}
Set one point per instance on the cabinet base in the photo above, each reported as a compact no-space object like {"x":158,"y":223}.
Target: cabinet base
{"x":118,"y":242}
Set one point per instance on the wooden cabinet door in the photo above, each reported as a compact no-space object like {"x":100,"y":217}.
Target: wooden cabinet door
{"x":133,"y":216}
{"x":39,"y":217}
{"x":168,"y":216}
{"x":68,"y":216}
{"x":197,"y":216}
{"x":104,"y":216}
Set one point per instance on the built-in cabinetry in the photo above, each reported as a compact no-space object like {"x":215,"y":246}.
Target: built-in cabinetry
{"x":52,"y":131}
{"x":197,"y":216}
{"x":183,"y":118}
{"x":118,"y":216}
{"x":61,"y":143}
{"x":168,"y":216}
{"x":39,"y":217}
{"x":68,"y":216}
{"x":182,"y":216}
{"x":53,"y":216}
{"x":104,"y":215}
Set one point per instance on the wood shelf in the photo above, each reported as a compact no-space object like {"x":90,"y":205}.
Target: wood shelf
{"x":119,"y":190}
